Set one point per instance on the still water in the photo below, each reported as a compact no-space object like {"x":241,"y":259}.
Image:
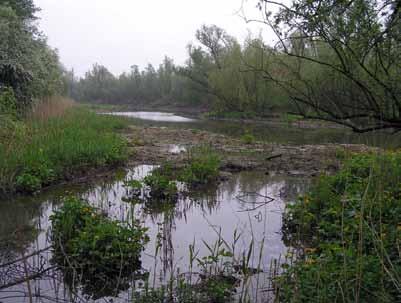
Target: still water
{"x":250,"y":204}
{"x":277,"y":132}
{"x":153,"y":116}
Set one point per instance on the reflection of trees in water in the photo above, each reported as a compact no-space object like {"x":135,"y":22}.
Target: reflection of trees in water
{"x":293,"y":188}
{"x":243,"y":182}
{"x":27,"y":213}
{"x":19,"y":223}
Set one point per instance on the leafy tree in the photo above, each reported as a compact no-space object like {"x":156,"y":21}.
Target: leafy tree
{"x":28,"y":65}
{"x":339,"y":60}
{"x":216,"y":76}
{"x":24,"y":9}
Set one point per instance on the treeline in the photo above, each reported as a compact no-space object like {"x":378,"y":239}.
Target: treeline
{"x":163,"y":84}
{"x":29,"y":68}
{"x":336,"y":61}
{"x":220,"y":74}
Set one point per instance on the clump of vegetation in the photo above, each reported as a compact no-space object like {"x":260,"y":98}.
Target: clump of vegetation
{"x":54,"y":147}
{"x":214,"y":283}
{"x":135,"y":188}
{"x":291,"y":118}
{"x":350,"y":224}
{"x":103,"y":253}
{"x":202,"y":167}
{"x":161,"y":185}
{"x":248,"y":138}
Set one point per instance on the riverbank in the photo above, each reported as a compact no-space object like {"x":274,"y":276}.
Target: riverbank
{"x":77,"y":145}
{"x":58,"y":143}
{"x":155,"y":145}
{"x":204,"y":114}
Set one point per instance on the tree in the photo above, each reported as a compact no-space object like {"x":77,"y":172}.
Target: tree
{"x":28,"y":65}
{"x":24,"y":9}
{"x":339,"y":60}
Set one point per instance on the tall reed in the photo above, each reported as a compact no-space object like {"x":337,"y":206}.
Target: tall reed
{"x":54,"y":141}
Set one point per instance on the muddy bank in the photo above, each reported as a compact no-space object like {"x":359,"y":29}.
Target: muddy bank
{"x":154,"y":145}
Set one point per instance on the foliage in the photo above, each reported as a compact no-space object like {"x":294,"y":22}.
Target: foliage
{"x":161,"y":185}
{"x":28,"y":66}
{"x":216,"y":77}
{"x":202,"y":167}
{"x":338,"y":60}
{"x":216,"y":283}
{"x":103,"y":251}
{"x":8,"y":103}
{"x":350,"y":224}
{"x":58,"y":147}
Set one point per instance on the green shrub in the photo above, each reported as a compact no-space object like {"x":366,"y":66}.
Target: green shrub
{"x":161,"y":185}
{"x":8,"y":103}
{"x":202,"y":168}
{"x":103,"y":252}
{"x":350,"y":225}
{"x":28,"y":183}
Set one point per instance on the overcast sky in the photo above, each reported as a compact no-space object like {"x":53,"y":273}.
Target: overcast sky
{"x":120,"y":33}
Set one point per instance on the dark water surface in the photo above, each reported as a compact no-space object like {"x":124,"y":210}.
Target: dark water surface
{"x":240,"y":204}
{"x":279,"y":132}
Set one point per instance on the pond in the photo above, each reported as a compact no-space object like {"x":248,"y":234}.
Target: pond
{"x":248,"y":204}
{"x":273,"y":131}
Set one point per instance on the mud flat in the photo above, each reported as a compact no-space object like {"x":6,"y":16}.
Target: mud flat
{"x":155,"y":145}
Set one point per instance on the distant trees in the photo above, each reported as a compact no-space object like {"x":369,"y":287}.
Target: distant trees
{"x":133,"y":87}
{"x":29,"y":68}
{"x":339,"y":60}
{"x":216,"y":76}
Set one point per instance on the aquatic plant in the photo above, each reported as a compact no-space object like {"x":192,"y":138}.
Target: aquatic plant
{"x":348,"y":228}
{"x":202,"y":166}
{"x":93,"y":250}
{"x":216,"y":282}
{"x":161,"y":185}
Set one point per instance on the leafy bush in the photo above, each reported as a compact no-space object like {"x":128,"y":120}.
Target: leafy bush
{"x":162,"y":187}
{"x":102,"y":251}
{"x":350,"y":224}
{"x":8,"y":103}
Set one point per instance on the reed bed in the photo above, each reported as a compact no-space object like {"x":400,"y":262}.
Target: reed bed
{"x":57,"y":139}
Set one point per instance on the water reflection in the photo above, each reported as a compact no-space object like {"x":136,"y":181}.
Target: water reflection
{"x":249,"y":203}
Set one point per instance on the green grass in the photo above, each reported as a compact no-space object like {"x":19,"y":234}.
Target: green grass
{"x":42,"y":151}
{"x":349,"y":227}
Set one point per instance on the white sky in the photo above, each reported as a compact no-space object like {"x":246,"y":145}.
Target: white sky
{"x":120,"y":33}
